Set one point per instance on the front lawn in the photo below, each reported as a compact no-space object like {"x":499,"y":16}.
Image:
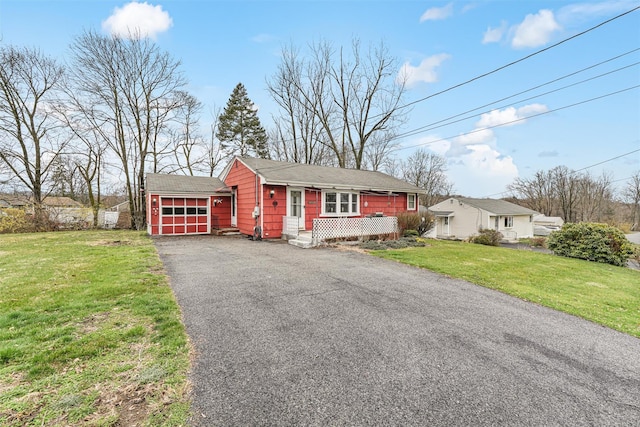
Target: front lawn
{"x":90,"y":332}
{"x":598,"y":292}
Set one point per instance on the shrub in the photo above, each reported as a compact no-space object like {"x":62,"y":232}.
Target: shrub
{"x":408,"y":221}
{"x":404,"y":242}
{"x":593,"y":242}
{"x":487,"y":237}
{"x":14,"y":221}
{"x":409,"y":233}
{"x":539,"y":242}
{"x":421,"y":223}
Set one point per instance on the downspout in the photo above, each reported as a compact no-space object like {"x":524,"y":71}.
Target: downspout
{"x":261,"y":203}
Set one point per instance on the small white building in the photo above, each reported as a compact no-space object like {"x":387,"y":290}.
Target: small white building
{"x":462,"y":217}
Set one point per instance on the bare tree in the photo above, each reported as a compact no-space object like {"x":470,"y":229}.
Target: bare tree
{"x":129,"y":88}
{"x":428,"y":171}
{"x":30,"y":137}
{"x":537,"y":193}
{"x":631,"y":194}
{"x":298,"y":131}
{"x":346,"y":101}
{"x":595,"y":198}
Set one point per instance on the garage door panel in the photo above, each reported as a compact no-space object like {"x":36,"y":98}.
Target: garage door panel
{"x":184,"y":215}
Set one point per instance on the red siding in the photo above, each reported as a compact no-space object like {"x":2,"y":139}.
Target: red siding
{"x":220,"y":212}
{"x":389,"y":205}
{"x":153,"y":213}
{"x":244,"y":180}
{"x":275,"y":207}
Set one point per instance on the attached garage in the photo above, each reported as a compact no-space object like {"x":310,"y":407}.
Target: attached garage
{"x":184,"y":215}
{"x":179,"y":205}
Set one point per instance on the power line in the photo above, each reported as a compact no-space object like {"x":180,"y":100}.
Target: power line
{"x":524,"y":58}
{"x":510,"y":64}
{"x":520,"y":119}
{"x":447,"y":121}
{"x":606,"y":161}
{"x":589,"y":167}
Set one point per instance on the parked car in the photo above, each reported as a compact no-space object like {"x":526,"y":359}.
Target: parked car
{"x":544,"y":230}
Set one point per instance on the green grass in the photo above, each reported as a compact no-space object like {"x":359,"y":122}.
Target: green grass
{"x":90,"y":332}
{"x":602,"y":293}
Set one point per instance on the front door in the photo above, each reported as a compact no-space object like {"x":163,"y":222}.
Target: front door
{"x":296,"y":206}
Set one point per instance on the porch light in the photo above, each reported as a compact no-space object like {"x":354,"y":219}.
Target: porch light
{"x":154,"y":201}
{"x":271,"y":193}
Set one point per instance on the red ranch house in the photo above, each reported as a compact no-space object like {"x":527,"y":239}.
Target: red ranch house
{"x":272,"y":199}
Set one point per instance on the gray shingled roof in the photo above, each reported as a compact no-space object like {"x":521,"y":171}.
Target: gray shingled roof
{"x":163,"y":183}
{"x":298,"y":174}
{"x":499,"y":207}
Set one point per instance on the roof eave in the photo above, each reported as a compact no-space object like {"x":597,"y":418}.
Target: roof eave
{"x":333,"y":186}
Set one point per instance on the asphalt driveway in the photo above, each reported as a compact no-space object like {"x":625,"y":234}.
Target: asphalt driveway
{"x":286,"y":336}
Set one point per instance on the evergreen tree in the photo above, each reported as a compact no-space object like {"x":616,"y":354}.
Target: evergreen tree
{"x":239,"y":128}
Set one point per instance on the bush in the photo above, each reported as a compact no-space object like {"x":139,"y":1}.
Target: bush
{"x":410,"y":233}
{"x":408,"y":221}
{"x":487,"y":237}
{"x":539,"y":242}
{"x":14,"y":221}
{"x":421,"y":223}
{"x":404,"y":242}
{"x":593,"y":242}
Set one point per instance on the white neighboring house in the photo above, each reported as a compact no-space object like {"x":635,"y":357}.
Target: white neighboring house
{"x":462,"y":217}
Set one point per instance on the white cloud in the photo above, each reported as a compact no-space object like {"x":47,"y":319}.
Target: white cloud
{"x":494,"y":35}
{"x":263,"y":38}
{"x":476,"y":170}
{"x":535,"y":30}
{"x":577,"y":12}
{"x":477,"y":165}
{"x":487,"y":161}
{"x":437,"y":13}
{"x":137,"y":19}
{"x":425,"y":72}
{"x":509,"y":116}
{"x":477,"y":136}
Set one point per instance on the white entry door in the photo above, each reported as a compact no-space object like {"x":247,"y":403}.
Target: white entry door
{"x":295,"y":205}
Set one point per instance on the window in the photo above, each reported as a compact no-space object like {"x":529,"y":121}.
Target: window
{"x":446,"y":220}
{"x":330,"y":203}
{"x":508,"y":221}
{"x":411,"y":202}
{"x":341,"y":204}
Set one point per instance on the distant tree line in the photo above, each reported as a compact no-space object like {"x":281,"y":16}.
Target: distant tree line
{"x":578,"y":196}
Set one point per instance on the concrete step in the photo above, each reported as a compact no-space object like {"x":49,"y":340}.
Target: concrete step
{"x":301,"y":243}
{"x":303,"y":240}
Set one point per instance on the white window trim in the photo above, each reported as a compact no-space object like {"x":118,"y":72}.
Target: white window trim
{"x":508,"y":221}
{"x":415,"y":205}
{"x":338,"y":213}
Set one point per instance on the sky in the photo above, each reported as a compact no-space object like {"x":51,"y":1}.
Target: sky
{"x":501,"y":89}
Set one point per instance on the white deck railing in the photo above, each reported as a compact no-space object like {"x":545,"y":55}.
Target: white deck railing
{"x":332,"y":228}
{"x":291,"y":225}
